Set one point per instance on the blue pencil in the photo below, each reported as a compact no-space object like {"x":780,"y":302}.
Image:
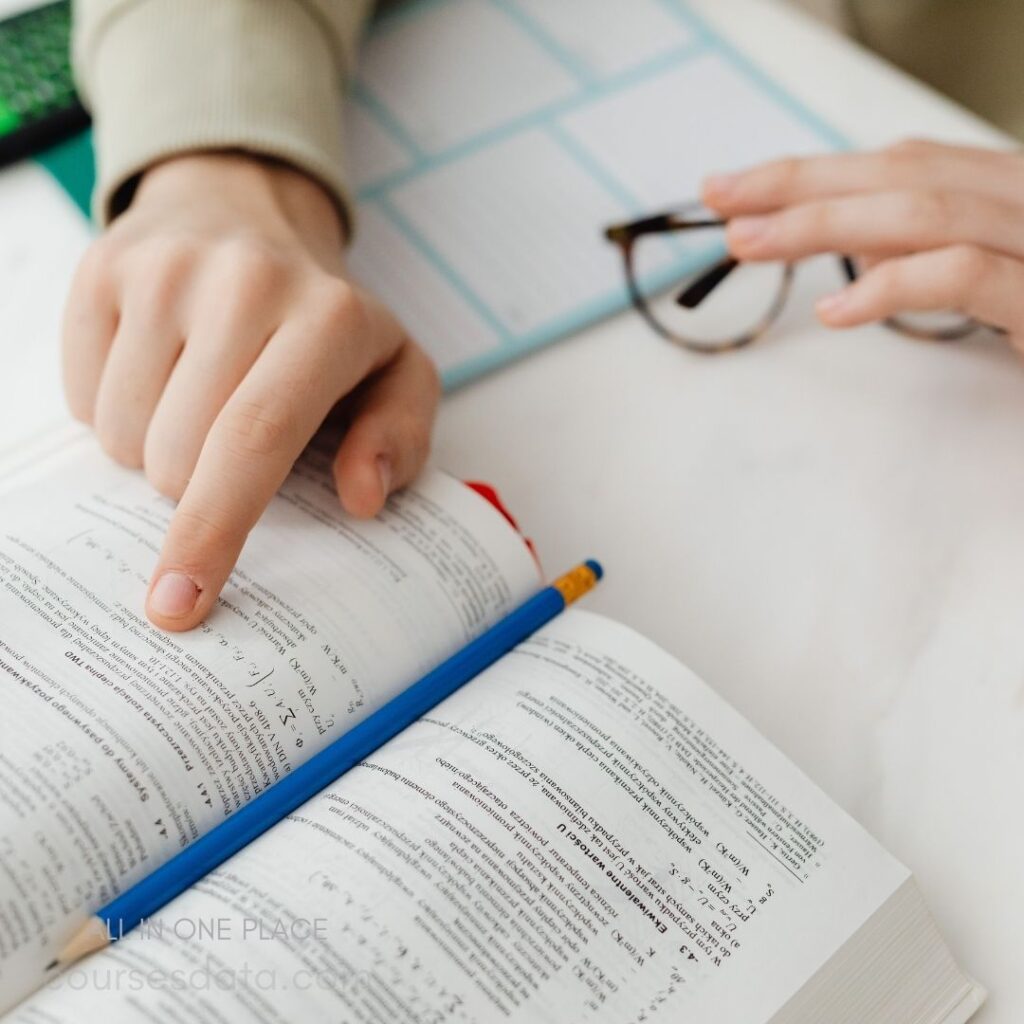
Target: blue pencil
{"x":145,"y":898}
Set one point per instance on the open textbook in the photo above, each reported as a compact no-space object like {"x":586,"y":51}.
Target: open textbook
{"x":585,"y":832}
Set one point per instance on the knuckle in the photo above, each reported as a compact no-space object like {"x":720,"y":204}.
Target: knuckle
{"x":428,"y":376}
{"x":785,"y":174}
{"x":943,"y":209}
{"x":166,"y":478}
{"x":256,"y":430}
{"x":337,"y":306}
{"x":909,"y":149}
{"x":157,"y":293}
{"x":905,"y":160}
{"x":968,"y":264}
{"x":926,"y":213}
{"x":94,"y":269}
{"x":415,"y":433}
{"x":252,"y":267}
{"x":887,"y":280}
{"x":165,"y":255}
{"x":342,"y":322}
{"x":815,"y":221}
{"x":158,"y":273}
{"x":207,"y":535}
{"x":434,"y":387}
{"x":123,"y":449}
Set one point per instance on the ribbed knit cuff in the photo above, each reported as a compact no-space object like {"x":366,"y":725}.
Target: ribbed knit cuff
{"x":166,"y":77}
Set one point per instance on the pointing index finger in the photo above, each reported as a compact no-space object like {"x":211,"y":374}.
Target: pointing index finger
{"x":247,"y":455}
{"x":245,"y":459}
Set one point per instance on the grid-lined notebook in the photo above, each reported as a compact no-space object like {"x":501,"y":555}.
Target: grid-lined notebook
{"x":490,"y":141}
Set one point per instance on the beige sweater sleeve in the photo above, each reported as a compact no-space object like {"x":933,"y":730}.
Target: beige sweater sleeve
{"x":164,"y":77}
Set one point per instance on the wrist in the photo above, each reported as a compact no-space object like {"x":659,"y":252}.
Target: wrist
{"x":247,"y":185}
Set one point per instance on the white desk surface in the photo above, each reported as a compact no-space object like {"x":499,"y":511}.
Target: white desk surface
{"x":828,"y":527}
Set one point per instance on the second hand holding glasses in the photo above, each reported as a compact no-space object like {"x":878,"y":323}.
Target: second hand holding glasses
{"x":707,"y":301}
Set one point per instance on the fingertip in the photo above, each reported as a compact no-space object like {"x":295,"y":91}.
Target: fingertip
{"x":174,"y":601}
{"x":836,"y":310}
{"x":718,"y":190}
{"x":750,"y":237}
{"x":80,"y":412}
{"x":364,"y":484}
{"x":388,"y":440}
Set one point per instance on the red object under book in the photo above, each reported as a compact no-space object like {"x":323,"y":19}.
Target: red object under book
{"x":487,"y":492}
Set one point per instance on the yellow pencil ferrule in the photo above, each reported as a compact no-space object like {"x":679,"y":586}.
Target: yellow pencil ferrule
{"x":576,"y":582}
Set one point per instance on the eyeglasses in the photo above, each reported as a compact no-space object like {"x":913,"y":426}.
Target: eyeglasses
{"x":685,"y":285}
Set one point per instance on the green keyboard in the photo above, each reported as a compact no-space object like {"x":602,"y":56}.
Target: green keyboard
{"x":38,"y":103}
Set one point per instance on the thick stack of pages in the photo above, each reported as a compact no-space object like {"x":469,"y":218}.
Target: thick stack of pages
{"x":585,"y":832}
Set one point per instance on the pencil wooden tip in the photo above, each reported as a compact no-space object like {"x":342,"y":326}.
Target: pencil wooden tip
{"x":53,"y":963}
{"x":91,"y":936}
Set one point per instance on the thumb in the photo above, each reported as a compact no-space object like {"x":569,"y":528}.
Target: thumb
{"x":388,"y":440}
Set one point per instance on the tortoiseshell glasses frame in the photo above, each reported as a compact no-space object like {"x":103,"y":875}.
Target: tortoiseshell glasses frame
{"x":693,"y":217}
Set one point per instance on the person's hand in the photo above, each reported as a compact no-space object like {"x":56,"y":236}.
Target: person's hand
{"x":939,"y":228}
{"x":208,"y":334}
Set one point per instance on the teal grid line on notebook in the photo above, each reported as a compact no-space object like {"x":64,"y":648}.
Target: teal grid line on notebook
{"x":491,"y":140}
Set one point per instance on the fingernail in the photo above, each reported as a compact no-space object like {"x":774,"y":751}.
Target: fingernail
{"x":720,"y":185}
{"x":174,"y":595}
{"x":384,"y":470}
{"x":832,"y":305}
{"x":749,"y":230}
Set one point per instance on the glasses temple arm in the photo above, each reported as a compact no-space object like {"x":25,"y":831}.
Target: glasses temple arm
{"x":694,"y":294}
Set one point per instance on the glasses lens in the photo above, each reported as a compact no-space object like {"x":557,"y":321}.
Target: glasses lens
{"x":695,"y":295}
{"x":936,"y":325}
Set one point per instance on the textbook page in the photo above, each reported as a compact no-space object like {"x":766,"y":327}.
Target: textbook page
{"x":120,"y":744}
{"x":584,"y":833}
